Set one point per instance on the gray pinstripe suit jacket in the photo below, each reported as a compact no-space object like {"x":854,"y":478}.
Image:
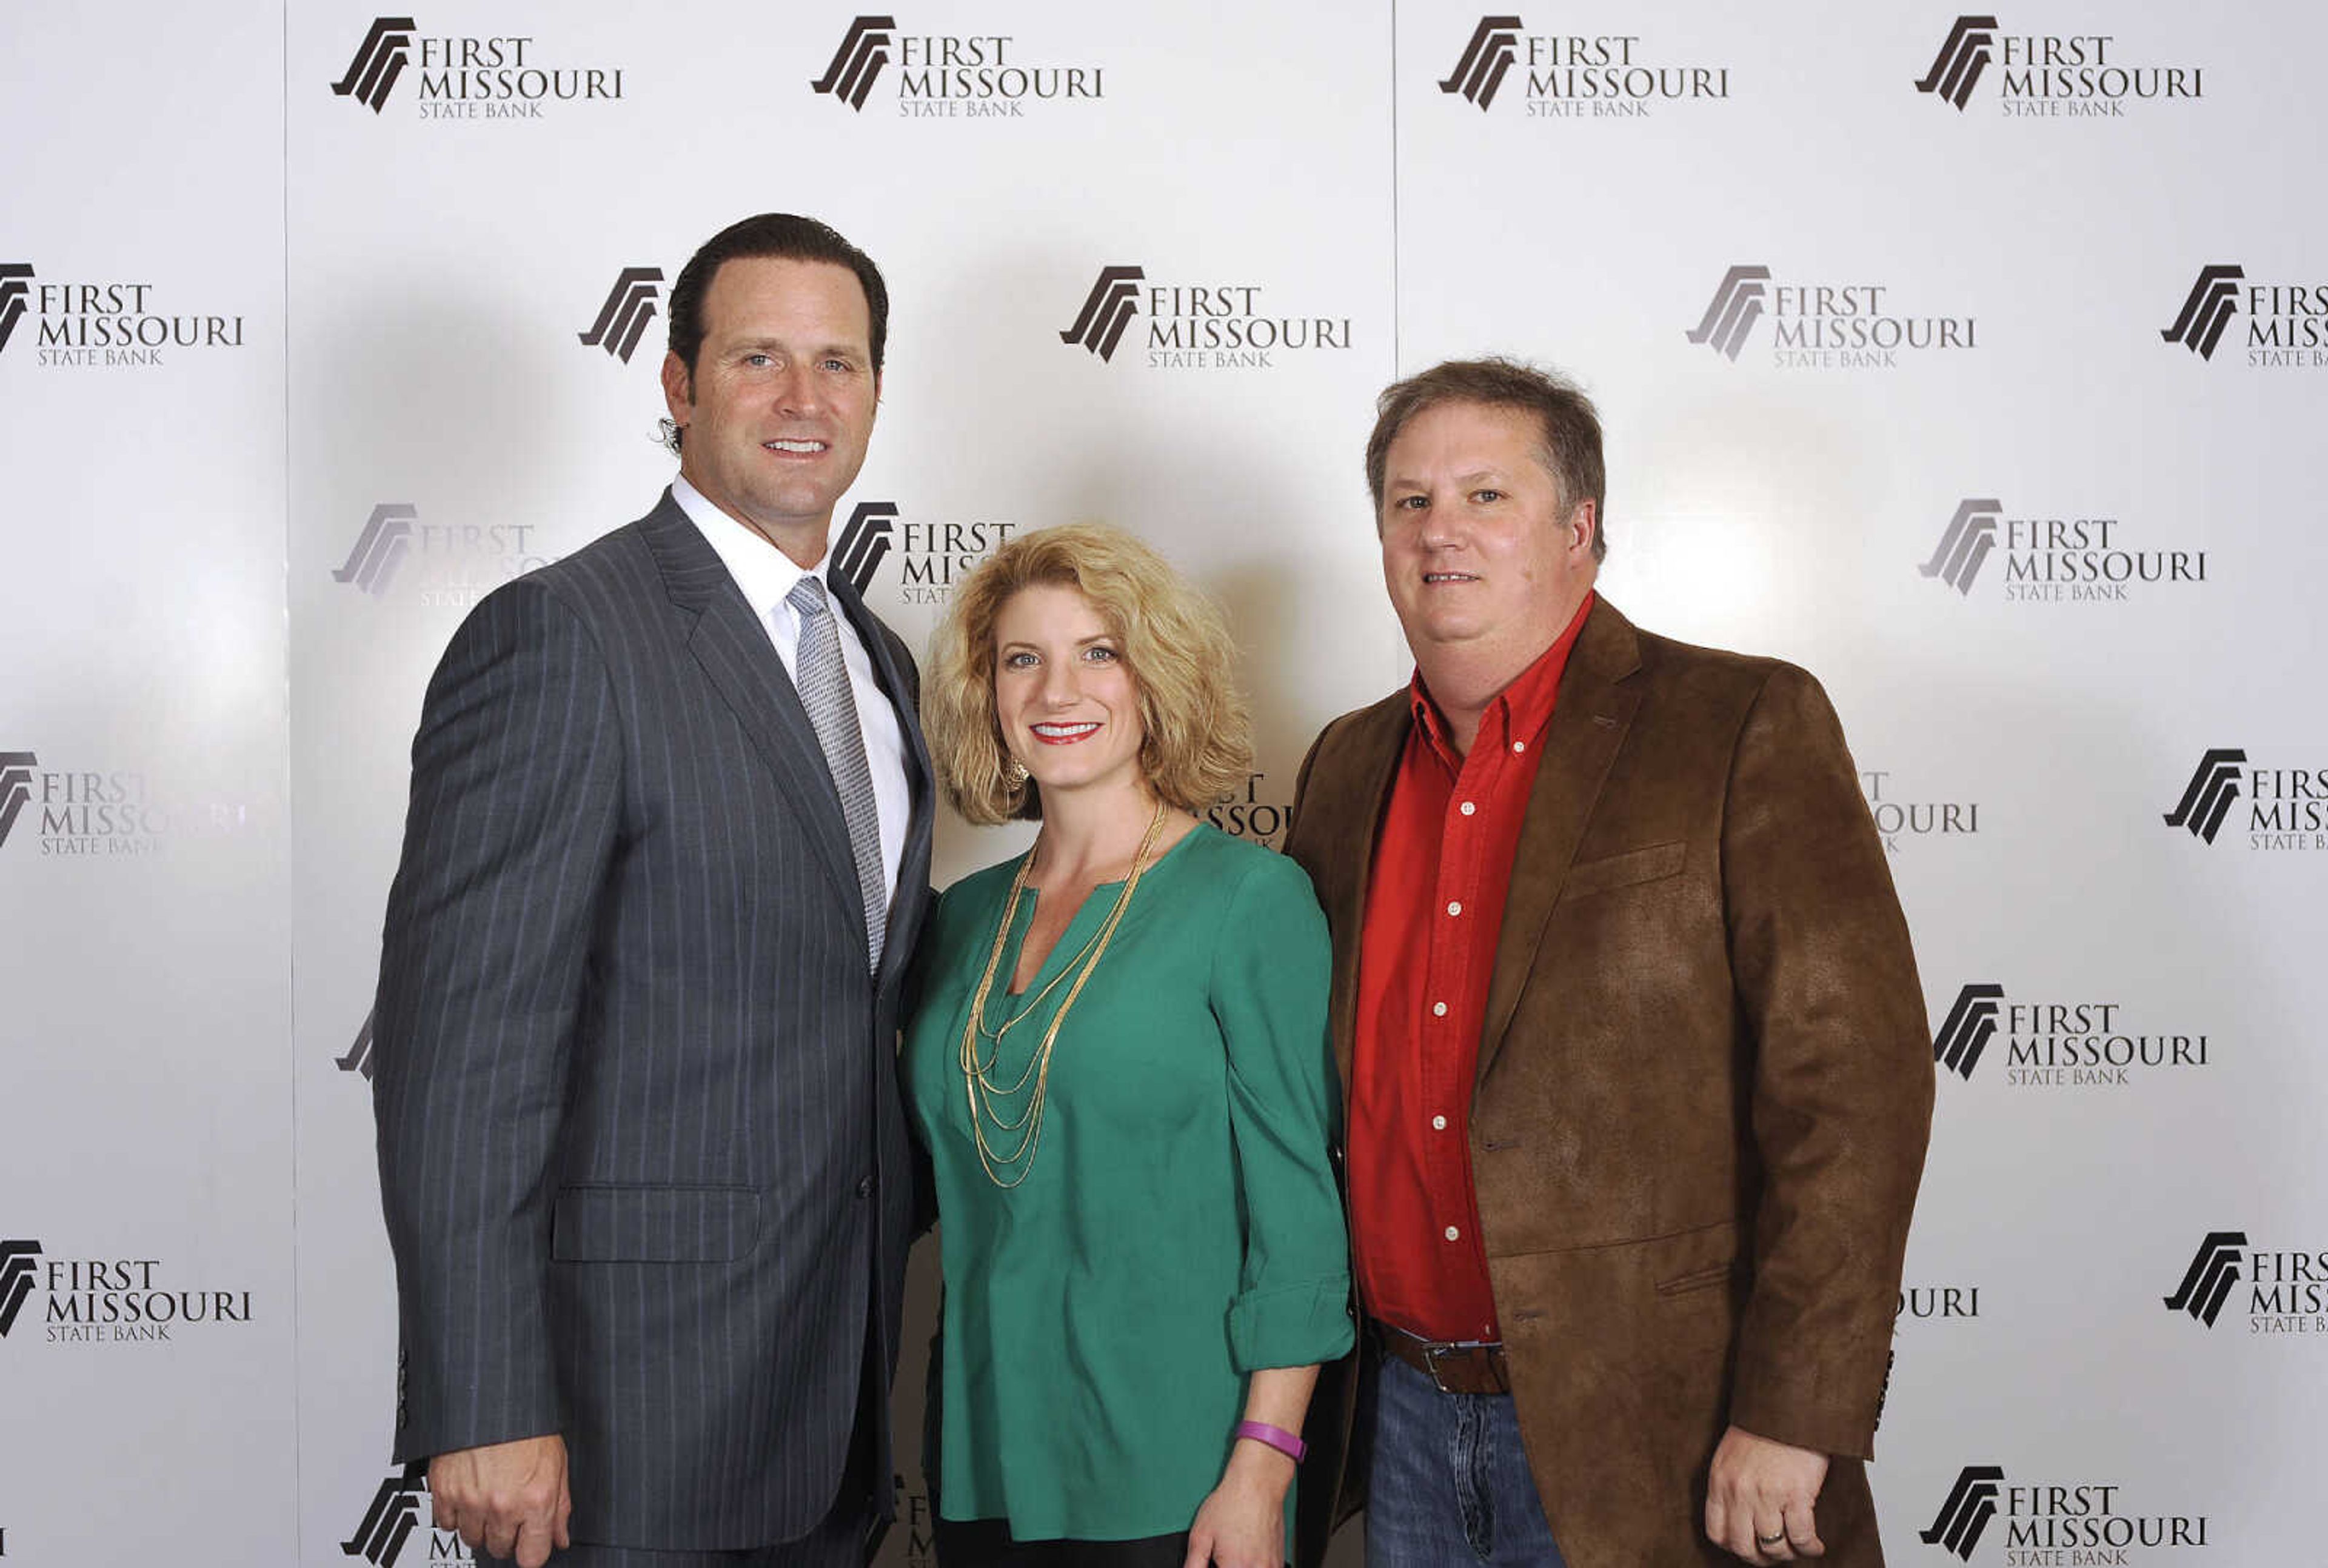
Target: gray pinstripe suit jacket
{"x":642,"y":1154}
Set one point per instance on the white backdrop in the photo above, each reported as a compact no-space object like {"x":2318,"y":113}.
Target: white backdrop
{"x":292,"y":376}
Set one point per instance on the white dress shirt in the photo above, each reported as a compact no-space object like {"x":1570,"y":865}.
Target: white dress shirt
{"x":766,"y":574}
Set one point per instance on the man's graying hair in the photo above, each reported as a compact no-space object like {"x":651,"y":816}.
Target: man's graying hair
{"x":1571,"y":445}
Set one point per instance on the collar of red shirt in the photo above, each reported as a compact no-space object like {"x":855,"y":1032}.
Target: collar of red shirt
{"x":1523,"y":707}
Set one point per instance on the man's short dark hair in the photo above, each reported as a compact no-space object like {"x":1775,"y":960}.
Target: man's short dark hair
{"x":774,"y":235}
{"x":1571,"y":447}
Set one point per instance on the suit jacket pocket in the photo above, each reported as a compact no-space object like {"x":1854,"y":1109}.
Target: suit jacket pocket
{"x":655,"y":1224}
{"x":1697,"y":1279}
{"x":1643,"y":865}
{"x":1698,"y":1258}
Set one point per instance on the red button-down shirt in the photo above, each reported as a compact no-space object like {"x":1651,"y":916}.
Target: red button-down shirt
{"x":1435,"y":910}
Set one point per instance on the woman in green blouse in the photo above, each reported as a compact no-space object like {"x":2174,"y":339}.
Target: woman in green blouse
{"x":1119,"y":1065}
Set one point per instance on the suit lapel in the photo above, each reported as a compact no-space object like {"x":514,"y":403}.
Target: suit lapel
{"x":1589,"y":721}
{"x":914,"y":866}
{"x":733,"y":649}
{"x":1351,"y":799}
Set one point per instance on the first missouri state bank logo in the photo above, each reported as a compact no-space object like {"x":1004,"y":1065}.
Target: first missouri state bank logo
{"x":1196,"y":325}
{"x":2207,"y":310}
{"x":2072,"y":1043}
{"x":459,"y":563}
{"x":1965,"y":54}
{"x":949,"y":75}
{"x":1577,"y":72}
{"x":359,"y":1056}
{"x":1108,"y":309}
{"x":2285,"y":326}
{"x":85,"y":811}
{"x":629,"y":307}
{"x":1964,"y":1518}
{"x":2050,"y":75}
{"x":1971,"y":535}
{"x":1908,"y":816}
{"x":15,"y":788}
{"x":1971,"y":1024}
{"x":864,"y":540}
{"x":1486,"y":60}
{"x":1834,"y":325}
{"x":933,"y":554}
{"x":18,"y":1269}
{"x":379,"y":61}
{"x":2052,"y":1521}
{"x":857,"y":63}
{"x":2066,"y":557}
{"x":15,"y":294}
{"x":2206,"y":800}
{"x":475,"y":77}
{"x":2214,"y":1269}
{"x":2286,"y":807}
{"x":392,"y":1518}
{"x":110,"y":321}
{"x":1731,"y":315}
{"x":380,"y":549}
{"x":2286,"y":1289}
{"x":110,"y":1300}
{"x":1258,"y":811}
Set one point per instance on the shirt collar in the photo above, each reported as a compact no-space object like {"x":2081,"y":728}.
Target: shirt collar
{"x":1521,"y":709}
{"x":764,"y":573}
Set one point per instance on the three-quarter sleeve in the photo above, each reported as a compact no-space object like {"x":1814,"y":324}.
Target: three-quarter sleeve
{"x":1270,"y":968}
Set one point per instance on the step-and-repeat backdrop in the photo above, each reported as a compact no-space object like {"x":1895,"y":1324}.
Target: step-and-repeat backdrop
{"x":1978,"y":362}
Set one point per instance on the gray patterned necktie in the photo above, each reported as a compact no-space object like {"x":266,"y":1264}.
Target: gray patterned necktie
{"x":823,"y":682}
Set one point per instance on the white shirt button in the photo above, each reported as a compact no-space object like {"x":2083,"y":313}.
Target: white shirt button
{"x":1454,"y":1235}
{"x":1469,"y":809}
{"x":1439,"y":1009}
{"x":1439,"y":1123}
{"x":1456,"y":908}
{"x":1519,"y":746}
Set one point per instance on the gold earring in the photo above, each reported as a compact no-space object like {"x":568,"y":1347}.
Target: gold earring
{"x":1014,"y":774}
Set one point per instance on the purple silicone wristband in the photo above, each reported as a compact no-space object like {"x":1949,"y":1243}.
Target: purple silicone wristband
{"x":1276,"y":1437}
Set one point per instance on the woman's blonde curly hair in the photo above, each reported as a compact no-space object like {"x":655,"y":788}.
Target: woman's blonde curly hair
{"x":1199,"y":742}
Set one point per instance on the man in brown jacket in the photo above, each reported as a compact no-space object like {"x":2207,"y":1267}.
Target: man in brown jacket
{"x":1636,"y":1066}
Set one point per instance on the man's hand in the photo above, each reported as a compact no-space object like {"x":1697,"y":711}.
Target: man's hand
{"x":507,"y":1499}
{"x":1759,"y":1495}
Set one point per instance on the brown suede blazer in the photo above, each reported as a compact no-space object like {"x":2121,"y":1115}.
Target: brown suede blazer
{"x":1704,"y":1088}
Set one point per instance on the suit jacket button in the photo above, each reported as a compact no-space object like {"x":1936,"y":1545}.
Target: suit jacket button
{"x":864,"y":1187}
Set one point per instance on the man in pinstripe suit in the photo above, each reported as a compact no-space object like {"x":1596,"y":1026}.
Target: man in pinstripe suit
{"x":641,"y":1151}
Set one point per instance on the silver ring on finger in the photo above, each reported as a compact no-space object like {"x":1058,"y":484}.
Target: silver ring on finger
{"x":1762,"y":1540}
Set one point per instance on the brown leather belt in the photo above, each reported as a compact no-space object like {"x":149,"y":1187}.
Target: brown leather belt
{"x":1476,"y":1368}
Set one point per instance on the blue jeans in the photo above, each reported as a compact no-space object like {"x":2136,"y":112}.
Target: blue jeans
{"x":1450,"y":1486}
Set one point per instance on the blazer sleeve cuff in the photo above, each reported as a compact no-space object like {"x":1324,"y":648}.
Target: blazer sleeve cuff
{"x":1296,"y":1325}
{"x":420,"y":1441}
{"x":442,"y":1407}
{"x":1841,"y":1428}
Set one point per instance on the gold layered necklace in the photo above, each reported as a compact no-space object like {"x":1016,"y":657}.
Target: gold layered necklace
{"x":982,"y":1078}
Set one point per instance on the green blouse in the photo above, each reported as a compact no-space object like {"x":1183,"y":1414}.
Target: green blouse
{"x":1178,"y":1226}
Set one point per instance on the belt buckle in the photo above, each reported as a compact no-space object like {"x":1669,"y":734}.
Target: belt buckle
{"x":1434,"y":1354}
